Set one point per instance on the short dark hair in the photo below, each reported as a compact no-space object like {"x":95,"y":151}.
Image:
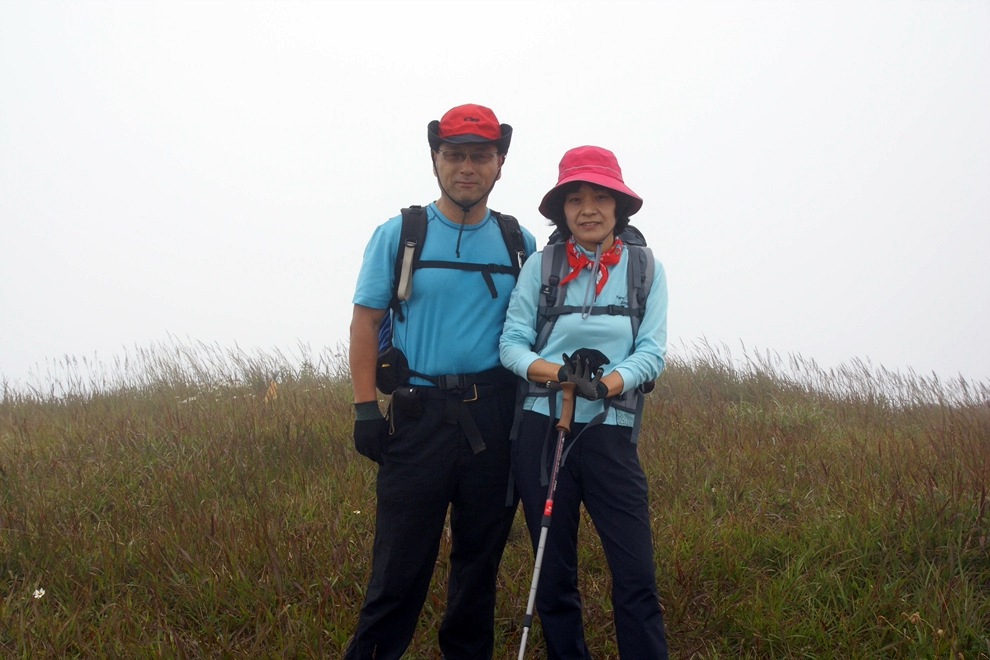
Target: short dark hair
{"x":622,"y":205}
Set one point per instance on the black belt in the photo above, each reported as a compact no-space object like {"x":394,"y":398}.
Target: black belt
{"x":493,"y":376}
{"x":458,"y":389}
{"x":465,"y":394}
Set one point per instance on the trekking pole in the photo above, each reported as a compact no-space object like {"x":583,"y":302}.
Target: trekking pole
{"x":563,"y":428}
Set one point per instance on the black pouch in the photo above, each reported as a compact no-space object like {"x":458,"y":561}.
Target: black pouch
{"x":406,"y":401}
{"x":391,"y":371}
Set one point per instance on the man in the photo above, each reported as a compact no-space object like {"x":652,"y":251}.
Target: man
{"x":446,"y":442}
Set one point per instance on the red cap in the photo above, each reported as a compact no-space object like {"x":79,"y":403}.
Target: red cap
{"x":469,"y":123}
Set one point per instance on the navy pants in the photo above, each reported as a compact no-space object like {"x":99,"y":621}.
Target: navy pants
{"x":430,"y":466}
{"x":601,"y":469}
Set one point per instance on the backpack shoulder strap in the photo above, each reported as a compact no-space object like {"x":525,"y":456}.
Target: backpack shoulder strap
{"x":411,"y":238}
{"x":632,"y":236}
{"x":552,"y":270}
{"x":512,"y":235}
{"x":639,"y":282}
{"x":639,"y":274}
{"x":640,"y":279}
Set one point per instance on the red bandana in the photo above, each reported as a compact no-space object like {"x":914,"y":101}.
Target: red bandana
{"x":577,"y":260}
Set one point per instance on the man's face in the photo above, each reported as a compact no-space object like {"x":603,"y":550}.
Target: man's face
{"x":467,"y":171}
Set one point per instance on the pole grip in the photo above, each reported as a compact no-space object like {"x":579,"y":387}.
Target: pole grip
{"x":566,"y":407}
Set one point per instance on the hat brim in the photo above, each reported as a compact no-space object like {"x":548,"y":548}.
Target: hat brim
{"x":502,"y":143}
{"x":552,"y":207}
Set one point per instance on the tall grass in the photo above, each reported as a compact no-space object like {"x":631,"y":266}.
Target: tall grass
{"x":178,"y":504}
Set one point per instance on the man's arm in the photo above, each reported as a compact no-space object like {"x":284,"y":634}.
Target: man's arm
{"x":363,"y":353}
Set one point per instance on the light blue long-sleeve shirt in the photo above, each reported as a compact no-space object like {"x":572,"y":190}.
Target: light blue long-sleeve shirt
{"x":612,"y":335}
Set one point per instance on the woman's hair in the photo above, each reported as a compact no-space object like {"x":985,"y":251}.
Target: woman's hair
{"x":622,"y":204}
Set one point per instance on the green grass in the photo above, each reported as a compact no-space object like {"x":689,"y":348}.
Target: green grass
{"x":169,"y":506}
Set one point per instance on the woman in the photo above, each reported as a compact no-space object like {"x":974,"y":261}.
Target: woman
{"x":590,"y":206}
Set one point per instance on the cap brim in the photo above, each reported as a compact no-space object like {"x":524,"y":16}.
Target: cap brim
{"x":502,"y":142}
{"x":466,"y":138}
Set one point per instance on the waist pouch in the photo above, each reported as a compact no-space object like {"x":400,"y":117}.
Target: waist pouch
{"x":391,"y":371}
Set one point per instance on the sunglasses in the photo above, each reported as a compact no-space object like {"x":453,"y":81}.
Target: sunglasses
{"x":477,"y":157}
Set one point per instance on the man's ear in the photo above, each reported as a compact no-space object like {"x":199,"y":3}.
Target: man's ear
{"x":433,"y":158}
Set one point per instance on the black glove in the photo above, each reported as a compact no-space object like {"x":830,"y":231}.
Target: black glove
{"x":595,"y":359}
{"x":587,"y":381}
{"x":370,"y":431}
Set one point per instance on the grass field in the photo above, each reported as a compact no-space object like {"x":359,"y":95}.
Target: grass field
{"x":177,"y":504}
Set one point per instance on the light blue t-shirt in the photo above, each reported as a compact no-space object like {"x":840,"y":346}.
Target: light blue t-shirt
{"x":451,"y":323}
{"x":611,"y":334}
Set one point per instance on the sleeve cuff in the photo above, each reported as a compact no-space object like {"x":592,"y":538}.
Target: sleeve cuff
{"x":367,"y":410}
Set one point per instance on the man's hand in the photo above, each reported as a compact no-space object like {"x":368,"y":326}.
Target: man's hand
{"x":370,"y":431}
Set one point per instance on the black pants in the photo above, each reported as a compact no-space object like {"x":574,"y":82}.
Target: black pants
{"x":430,"y":465}
{"x":601,"y":470}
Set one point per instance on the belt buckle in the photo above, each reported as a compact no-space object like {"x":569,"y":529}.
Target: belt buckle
{"x":474,"y":390}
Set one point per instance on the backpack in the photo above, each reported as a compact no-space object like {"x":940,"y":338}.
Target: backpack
{"x":639,"y":281}
{"x":407,"y":259}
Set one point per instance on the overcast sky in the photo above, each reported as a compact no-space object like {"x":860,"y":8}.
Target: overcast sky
{"x":816,"y":175}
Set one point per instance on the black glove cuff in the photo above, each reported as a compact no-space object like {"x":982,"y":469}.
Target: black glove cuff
{"x":601,"y":390}
{"x":367,"y":410}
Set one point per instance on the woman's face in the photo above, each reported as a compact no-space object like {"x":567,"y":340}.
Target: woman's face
{"x":590,"y":214}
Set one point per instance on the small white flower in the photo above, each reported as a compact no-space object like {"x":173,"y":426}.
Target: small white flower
{"x":39,"y":592}
{"x":357,"y":510}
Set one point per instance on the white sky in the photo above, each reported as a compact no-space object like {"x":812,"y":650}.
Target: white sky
{"x":816,"y":175}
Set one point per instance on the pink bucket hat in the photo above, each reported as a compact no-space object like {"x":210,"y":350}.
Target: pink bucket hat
{"x":593,"y":165}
